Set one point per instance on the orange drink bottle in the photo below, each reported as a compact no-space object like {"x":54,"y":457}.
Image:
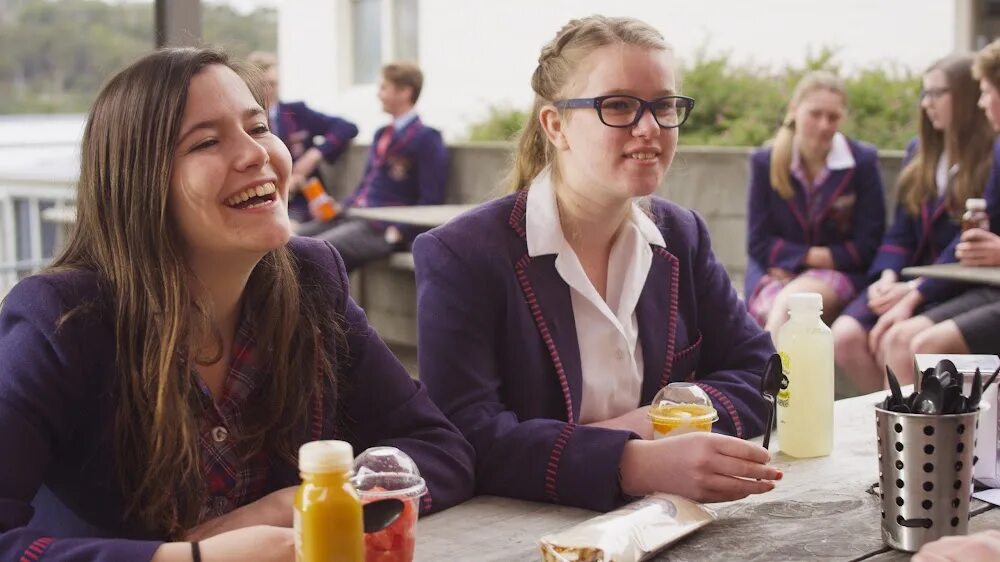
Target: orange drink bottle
{"x":313,"y":190}
{"x":681,"y":407}
{"x":327,"y":518}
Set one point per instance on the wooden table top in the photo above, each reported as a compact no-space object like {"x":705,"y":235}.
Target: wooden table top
{"x":821,"y":509}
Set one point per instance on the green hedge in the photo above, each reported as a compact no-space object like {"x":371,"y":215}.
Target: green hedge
{"x":742,"y":105}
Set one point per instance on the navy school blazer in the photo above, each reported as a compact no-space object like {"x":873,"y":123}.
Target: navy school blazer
{"x":413,"y":171}
{"x":931,"y":236}
{"x":56,"y":408}
{"x":850,"y":220}
{"x":298,"y":126}
{"x":499,"y":353}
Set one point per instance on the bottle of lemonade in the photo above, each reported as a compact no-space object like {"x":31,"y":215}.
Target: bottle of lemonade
{"x":328,"y":524}
{"x":805,"y":401}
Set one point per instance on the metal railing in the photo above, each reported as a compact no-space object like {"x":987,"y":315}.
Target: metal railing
{"x":27,"y":242}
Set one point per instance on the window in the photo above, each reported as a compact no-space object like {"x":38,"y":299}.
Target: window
{"x":382,"y":31}
{"x":366,"y":25}
{"x":405,"y":21}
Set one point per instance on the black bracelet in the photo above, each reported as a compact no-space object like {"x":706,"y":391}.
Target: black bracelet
{"x":195,"y":552}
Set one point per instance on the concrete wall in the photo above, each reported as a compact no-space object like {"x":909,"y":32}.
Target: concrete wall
{"x":710,"y":180}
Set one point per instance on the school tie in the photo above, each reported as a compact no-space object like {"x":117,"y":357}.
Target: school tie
{"x":383,"y":141}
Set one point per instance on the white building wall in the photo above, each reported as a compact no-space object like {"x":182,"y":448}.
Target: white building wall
{"x":478,"y":53}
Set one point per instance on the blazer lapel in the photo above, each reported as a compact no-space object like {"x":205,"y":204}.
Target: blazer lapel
{"x":551,"y":308}
{"x":797,"y":206}
{"x":403,"y":138}
{"x":657,"y":315}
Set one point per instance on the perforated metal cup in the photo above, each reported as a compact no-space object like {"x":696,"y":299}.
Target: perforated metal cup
{"x":925,"y":475}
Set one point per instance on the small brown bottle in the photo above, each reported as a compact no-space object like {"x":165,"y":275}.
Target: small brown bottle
{"x":975,"y":215}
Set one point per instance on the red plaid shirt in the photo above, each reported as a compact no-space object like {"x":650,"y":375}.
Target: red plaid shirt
{"x":230,"y":482}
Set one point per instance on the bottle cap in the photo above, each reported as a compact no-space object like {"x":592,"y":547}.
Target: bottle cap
{"x":805,"y":302}
{"x":975,"y":204}
{"x":326,"y":456}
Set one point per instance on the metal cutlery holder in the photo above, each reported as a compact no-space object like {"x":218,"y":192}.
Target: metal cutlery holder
{"x":925,"y":475}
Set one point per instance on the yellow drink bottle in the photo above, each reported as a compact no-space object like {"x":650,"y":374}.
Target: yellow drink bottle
{"x":805,"y":401}
{"x":328,"y":524}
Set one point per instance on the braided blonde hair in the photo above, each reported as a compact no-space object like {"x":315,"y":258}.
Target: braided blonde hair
{"x":556,"y":64}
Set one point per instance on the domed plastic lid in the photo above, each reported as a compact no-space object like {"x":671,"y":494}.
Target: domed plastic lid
{"x":387,"y":472}
{"x":683,"y":394}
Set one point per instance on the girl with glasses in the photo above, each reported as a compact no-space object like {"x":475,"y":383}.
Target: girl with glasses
{"x":549,"y":318}
{"x":947,"y":164}
{"x":159,"y":378}
{"x":967,"y":322}
{"x":816,"y":210}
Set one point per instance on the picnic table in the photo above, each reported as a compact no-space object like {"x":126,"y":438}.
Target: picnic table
{"x":417,"y":215}
{"x":956,"y":272}
{"x":821,"y":509}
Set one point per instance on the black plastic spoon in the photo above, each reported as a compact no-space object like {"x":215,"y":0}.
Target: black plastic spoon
{"x":931,"y":398}
{"x":976,"y":392}
{"x":897,"y":404}
{"x":992,"y":378}
{"x":770,"y":385}
{"x":379,"y":514}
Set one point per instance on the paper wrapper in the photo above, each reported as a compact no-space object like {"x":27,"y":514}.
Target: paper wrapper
{"x":631,"y":533}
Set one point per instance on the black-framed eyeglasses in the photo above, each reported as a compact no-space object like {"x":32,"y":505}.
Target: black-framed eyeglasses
{"x":622,"y":111}
{"x":933,"y":93}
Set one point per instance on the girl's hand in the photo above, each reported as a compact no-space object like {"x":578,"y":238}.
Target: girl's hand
{"x":978,"y":248}
{"x":261,"y":543}
{"x":274,"y":509}
{"x":706,"y":467}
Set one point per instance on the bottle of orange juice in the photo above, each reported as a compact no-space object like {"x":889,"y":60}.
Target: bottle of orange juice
{"x":314,"y":189}
{"x":328,"y":523}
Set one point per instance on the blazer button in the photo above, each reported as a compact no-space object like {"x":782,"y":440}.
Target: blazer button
{"x":219,"y":434}
{"x":620,"y":355}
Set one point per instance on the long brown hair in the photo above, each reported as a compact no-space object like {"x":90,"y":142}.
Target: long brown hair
{"x":969,"y":144}
{"x":125,"y":235}
{"x":781,"y":147}
{"x":558,"y":60}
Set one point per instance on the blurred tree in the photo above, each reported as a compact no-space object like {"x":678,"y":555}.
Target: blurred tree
{"x":501,"y":123}
{"x":743,"y":105}
{"x":55,"y":55}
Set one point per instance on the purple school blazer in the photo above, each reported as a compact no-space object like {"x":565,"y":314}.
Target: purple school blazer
{"x":499,"y":353}
{"x":929,"y":237}
{"x":413,"y":171}
{"x":56,"y":407}
{"x":848,"y":218}
{"x":937,"y":290}
{"x":298,"y":125}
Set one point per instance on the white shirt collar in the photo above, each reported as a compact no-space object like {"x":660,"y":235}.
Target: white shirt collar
{"x":403,"y":120}
{"x":544,"y":230}
{"x":839,"y":157}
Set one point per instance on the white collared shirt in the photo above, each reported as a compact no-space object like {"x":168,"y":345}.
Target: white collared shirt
{"x":607,"y":332}
{"x":839,"y":157}
{"x":944,"y":173}
{"x":400,"y":123}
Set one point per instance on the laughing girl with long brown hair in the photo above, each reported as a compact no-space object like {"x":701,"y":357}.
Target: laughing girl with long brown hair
{"x":159,"y":377}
